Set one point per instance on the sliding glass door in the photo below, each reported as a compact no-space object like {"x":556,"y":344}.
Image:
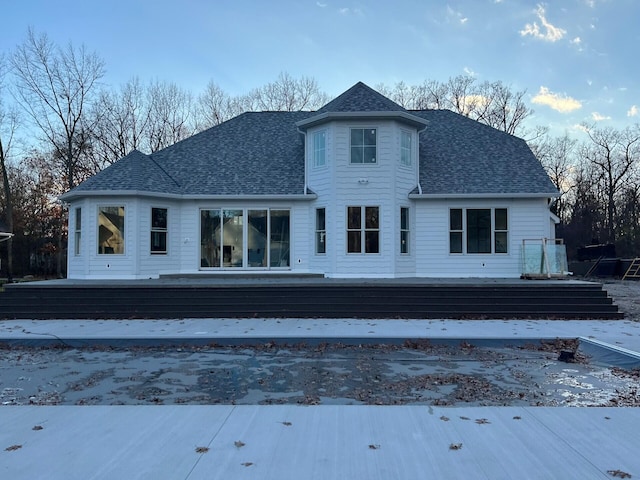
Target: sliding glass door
{"x":228,"y":241}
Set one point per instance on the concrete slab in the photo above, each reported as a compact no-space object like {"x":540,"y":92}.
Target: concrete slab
{"x":329,"y":442}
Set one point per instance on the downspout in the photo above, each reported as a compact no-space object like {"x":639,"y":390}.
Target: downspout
{"x":418,"y":162}
{"x":306,"y":188}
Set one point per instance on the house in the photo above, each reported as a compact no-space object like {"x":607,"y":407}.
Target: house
{"x":361,"y":188}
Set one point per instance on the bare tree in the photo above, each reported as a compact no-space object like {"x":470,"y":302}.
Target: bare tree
{"x":214,"y":106}
{"x":557,"y":156}
{"x":614,"y":155}
{"x":8,"y":125}
{"x":121,"y":121}
{"x":171,"y":115}
{"x":287,"y":94}
{"x":55,"y":86}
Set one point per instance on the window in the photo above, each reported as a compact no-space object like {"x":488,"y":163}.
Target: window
{"x":486,"y":230}
{"x":110,"y":230}
{"x":500,"y":230}
{"x":478,"y":231}
{"x":158,"y":230}
{"x":404,"y":230}
{"x":363,"y":145}
{"x":321,"y":231}
{"x":243,"y":238}
{"x":363,"y":236}
{"x":406,"y":153}
{"x":78,"y":231}
{"x":455,"y":230}
{"x":319,"y":148}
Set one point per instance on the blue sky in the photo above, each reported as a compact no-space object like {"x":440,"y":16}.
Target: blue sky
{"x":577,"y":59}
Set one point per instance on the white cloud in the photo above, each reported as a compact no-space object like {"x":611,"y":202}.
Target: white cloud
{"x":633,"y":111}
{"x":344,"y":11}
{"x":556,"y":101}
{"x":548,"y":32}
{"x":321,"y":5}
{"x":470,"y":72}
{"x":598,"y":118}
{"x":456,"y":16}
{"x":576,"y":41}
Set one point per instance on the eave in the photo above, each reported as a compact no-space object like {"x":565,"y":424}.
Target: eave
{"x":452,"y":196}
{"x":325,"y":117}
{"x":66,"y":197}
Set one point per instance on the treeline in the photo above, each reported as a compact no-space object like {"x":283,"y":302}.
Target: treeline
{"x":59,"y":125}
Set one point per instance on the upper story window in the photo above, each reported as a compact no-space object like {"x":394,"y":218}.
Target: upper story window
{"x":406,"y":151}
{"x":158,"y":230}
{"x":111,"y":230}
{"x":319,"y":148}
{"x":404,"y":230}
{"x":363,"y":145}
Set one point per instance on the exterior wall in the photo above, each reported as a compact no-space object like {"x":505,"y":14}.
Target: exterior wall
{"x":183,"y":238}
{"x":527,"y":219}
{"x":340,"y":184}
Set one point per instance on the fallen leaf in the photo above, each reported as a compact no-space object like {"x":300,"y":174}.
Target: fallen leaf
{"x":374,"y":447}
{"x":517,"y":418}
{"x":482,"y":421}
{"x":247,"y":464}
{"x":37,"y":427}
{"x":239,"y":444}
{"x":619,"y":474}
{"x":455,"y":446}
{"x":287,"y":424}
{"x":13,"y":447}
{"x":202,"y":449}
{"x":465,"y":418}
{"x":444,"y":419}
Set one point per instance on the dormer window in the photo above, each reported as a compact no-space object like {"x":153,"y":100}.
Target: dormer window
{"x":363,"y":145}
{"x":406,"y":152}
{"x":319,"y":148}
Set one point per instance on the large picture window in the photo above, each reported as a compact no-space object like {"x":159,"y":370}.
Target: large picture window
{"x":158,"y":231}
{"x":111,"y":230}
{"x":478,"y":230}
{"x":363,"y":230}
{"x":244,"y":238}
{"x":363,"y":145}
{"x":319,"y":148}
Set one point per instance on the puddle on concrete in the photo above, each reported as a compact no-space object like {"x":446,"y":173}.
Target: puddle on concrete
{"x":416,"y":373}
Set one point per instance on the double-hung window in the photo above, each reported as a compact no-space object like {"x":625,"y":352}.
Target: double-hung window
{"x":363,"y":230}
{"x":321,"y":231}
{"x":363,"y":145}
{"x":319,"y":148}
{"x":158,"y":231}
{"x":478,"y":230}
{"x":404,"y":230}
{"x":78,"y":232}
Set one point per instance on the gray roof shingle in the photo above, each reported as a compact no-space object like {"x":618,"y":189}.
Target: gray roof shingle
{"x":262,"y":153}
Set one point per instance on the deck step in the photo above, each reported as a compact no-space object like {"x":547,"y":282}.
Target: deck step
{"x":317,"y":299}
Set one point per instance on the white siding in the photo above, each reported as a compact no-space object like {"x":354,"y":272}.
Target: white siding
{"x":528,"y":219}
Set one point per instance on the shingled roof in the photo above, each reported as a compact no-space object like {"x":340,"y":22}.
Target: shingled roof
{"x":262,"y":154}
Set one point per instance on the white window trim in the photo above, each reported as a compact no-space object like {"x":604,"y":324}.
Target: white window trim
{"x":411,"y":148}
{"x":363,"y":230}
{"x":493,"y":231}
{"x":314,"y":150}
{"x":125,"y":208}
{"x":377,"y":162}
{"x":159,"y":230}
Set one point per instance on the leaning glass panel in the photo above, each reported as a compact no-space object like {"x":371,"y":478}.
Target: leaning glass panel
{"x":232,"y":238}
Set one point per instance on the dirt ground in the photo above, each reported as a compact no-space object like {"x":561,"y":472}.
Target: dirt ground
{"x":625,"y":294}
